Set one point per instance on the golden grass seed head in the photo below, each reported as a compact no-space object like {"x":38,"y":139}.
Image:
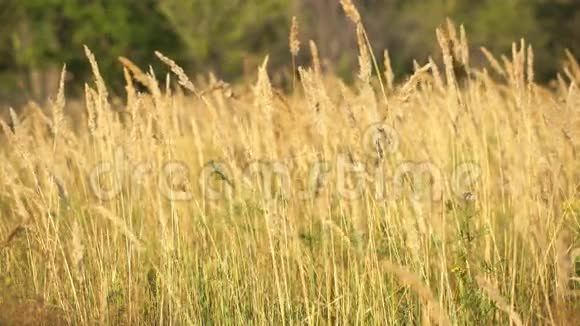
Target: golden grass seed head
{"x":294,"y":41}
{"x":315,"y":58}
{"x":351,"y":12}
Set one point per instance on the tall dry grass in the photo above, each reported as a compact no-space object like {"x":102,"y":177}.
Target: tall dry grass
{"x":442,"y":198}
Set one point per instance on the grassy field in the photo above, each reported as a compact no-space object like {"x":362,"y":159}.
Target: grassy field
{"x":450,"y":197}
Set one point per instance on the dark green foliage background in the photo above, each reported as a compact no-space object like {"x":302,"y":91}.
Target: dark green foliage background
{"x":223,"y":35}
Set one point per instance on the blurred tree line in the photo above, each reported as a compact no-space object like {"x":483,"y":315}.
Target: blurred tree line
{"x":231,"y":36}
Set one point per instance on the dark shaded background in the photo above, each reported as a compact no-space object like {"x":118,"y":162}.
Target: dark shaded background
{"x":230,"y":37}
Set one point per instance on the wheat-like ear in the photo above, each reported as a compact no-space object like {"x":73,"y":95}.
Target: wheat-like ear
{"x":91,"y":110}
{"x":178,"y":71}
{"x":101,"y":86}
{"x":493,"y":61}
{"x":315,"y":59}
{"x":137,"y":73}
{"x":444,"y":44}
{"x":351,"y":11}
{"x":464,"y":46}
{"x":452,"y":33}
{"x":364,"y":59}
{"x":294,"y":42}
{"x":436,"y":75}
{"x":15,"y":121}
{"x":353,"y":14}
{"x":530,"y":72}
{"x":263,"y":88}
{"x":182,"y":77}
{"x":59,"y":104}
{"x":411,"y":84}
{"x":389,"y":75}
